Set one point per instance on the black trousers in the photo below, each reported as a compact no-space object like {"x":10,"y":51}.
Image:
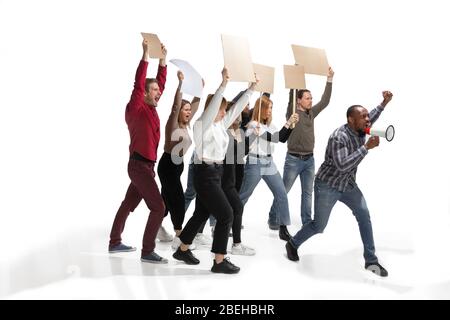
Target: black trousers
{"x":211,"y":198}
{"x":171,"y":189}
{"x":232,"y":194}
{"x":239,"y":177}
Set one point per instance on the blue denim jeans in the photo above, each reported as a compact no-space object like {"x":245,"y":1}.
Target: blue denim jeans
{"x":294,"y":167}
{"x":257,"y":168}
{"x":325,"y":197}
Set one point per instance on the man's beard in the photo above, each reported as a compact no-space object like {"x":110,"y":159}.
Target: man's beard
{"x":361,"y":133}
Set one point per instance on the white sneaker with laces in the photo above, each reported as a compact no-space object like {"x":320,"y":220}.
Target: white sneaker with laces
{"x":163,"y":235}
{"x":242,"y":250}
{"x":177,"y":242}
{"x":202,"y":240}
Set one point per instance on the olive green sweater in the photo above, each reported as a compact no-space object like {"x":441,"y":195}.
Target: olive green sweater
{"x":301,"y":140}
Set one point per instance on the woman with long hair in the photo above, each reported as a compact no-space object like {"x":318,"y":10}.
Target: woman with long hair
{"x":260,"y":164}
{"x":211,"y":143}
{"x":171,"y":165}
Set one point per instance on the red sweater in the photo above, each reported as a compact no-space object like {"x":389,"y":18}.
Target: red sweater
{"x":141,"y":118}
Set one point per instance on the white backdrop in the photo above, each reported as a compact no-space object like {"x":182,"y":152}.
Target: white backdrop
{"x":67,"y":70}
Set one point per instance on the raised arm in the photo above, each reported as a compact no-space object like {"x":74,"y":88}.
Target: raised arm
{"x":326,"y":96}
{"x":195,"y":104}
{"x":208,"y":116}
{"x":172,"y":122}
{"x":162,"y":70}
{"x":141,"y":74}
{"x":376,"y":112}
{"x":289,"y":107}
{"x":239,"y":106}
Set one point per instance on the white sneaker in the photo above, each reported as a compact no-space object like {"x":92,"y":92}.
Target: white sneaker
{"x":242,"y":250}
{"x":163,"y":235}
{"x":177,"y":242}
{"x":202,"y":240}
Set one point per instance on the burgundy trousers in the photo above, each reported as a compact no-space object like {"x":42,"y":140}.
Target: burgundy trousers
{"x":142,"y":186}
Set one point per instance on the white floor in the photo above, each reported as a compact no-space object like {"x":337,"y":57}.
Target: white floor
{"x":330,"y":267}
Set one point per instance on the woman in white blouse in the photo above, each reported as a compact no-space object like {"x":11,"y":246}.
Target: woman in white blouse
{"x":211,"y":143}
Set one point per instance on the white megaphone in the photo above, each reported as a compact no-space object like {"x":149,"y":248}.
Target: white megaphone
{"x":387,"y":133}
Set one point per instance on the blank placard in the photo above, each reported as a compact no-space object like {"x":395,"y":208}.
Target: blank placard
{"x":314,"y":60}
{"x":154,"y":48}
{"x":294,"y":77}
{"x":266,"y":75}
{"x":237,"y":58}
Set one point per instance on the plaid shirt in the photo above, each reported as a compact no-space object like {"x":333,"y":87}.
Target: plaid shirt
{"x":345,"y":150}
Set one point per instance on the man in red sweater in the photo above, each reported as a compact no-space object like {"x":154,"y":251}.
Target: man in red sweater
{"x":143,"y":125}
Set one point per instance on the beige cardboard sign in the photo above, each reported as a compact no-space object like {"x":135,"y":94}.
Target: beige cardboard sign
{"x":314,"y":60}
{"x":266,"y":75}
{"x":237,"y":58}
{"x":154,"y":47}
{"x":294,"y":77}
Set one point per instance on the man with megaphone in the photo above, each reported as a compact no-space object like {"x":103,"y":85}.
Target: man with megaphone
{"x":336,"y":181}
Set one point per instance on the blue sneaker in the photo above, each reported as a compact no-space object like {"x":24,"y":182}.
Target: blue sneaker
{"x":153,"y":257}
{"x":121,"y":248}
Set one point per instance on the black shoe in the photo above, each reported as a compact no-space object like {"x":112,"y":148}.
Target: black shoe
{"x":185,"y":256}
{"x":225,"y":267}
{"x":377,"y":269}
{"x":284,"y":233}
{"x":291,"y":252}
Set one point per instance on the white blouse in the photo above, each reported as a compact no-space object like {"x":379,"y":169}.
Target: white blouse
{"x":261,"y":146}
{"x":211,"y":138}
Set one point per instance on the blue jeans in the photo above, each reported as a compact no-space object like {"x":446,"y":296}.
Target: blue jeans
{"x":293,"y":167}
{"x":257,"y":168}
{"x":325,"y":197}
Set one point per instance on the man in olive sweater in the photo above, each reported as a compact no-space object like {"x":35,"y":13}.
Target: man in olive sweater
{"x":299,"y":157}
